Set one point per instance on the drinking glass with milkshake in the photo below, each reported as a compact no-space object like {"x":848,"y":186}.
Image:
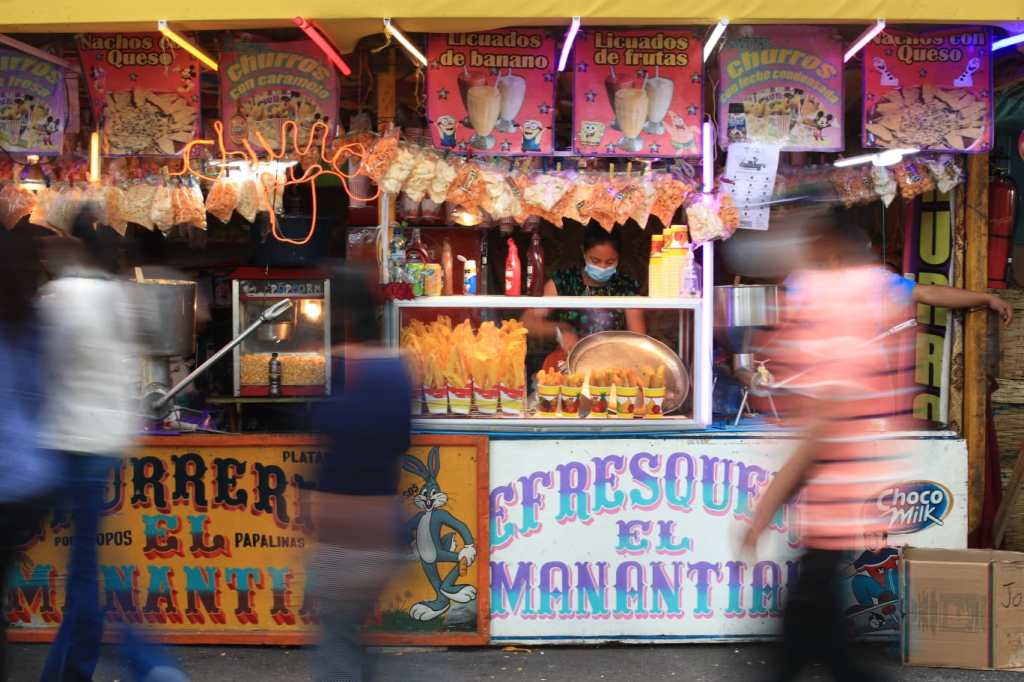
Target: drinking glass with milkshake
{"x":513,"y":92}
{"x":659,"y":98}
{"x":613,"y":82}
{"x":483,"y":102}
{"x":468,"y":79}
{"x":631,"y":105}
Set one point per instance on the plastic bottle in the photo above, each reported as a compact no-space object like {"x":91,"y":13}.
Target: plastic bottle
{"x":654,"y":266}
{"x":275,"y":371}
{"x":672,"y":263}
{"x":535,"y":267}
{"x":690,"y":285}
{"x":513,"y":271}
{"x":448,"y":285}
{"x":416,"y":251}
{"x":396,"y":259}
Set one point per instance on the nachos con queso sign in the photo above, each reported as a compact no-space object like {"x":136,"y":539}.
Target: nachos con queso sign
{"x":144,"y":89}
{"x":929,"y":91}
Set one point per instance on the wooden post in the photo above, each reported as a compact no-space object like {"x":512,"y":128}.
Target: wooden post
{"x":975,"y":329}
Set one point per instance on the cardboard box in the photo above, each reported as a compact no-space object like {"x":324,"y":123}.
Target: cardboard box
{"x":963,"y":608}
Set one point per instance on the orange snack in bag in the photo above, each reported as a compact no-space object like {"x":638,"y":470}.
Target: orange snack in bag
{"x":669,"y":195}
{"x":15,"y":203}
{"x":468,"y":188}
{"x":222,"y":199}
{"x":380,"y":158}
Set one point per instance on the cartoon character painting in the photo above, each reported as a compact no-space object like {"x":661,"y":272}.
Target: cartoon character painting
{"x":822,"y":122}
{"x":874,"y":582}
{"x":435,"y":547}
{"x":532,"y":133}
{"x":446,"y":127}
{"x":590,"y":133}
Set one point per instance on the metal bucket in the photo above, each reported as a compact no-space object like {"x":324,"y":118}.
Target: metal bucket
{"x":741,"y":309}
{"x":168,"y":316}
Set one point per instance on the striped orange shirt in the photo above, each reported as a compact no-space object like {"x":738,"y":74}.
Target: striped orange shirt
{"x":840,"y":371}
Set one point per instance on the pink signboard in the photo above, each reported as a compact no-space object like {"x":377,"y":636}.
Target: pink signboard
{"x":782,"y":86}
{"x":637,"y":93}
{"x":262,"y":85}
{"x":929,"y":91}
{"x":492,"y":92}
{"x":33,"y":104}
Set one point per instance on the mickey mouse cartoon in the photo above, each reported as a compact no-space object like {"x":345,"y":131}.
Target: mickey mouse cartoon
{"x":822,"y":122}
{"x":51,"y":126}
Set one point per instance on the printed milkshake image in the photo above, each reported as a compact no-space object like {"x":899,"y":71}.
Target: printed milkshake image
{"x":659,"y":96}
{"x":468,"y":79}
{"x":612,"y":83}
{"x":631,"y":113}
{"x":484,"y":104}
{"x":513,"y":92}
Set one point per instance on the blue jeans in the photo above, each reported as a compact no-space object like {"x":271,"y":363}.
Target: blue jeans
{"x":76,"y":650}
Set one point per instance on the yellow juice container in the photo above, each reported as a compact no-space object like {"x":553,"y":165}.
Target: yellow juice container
{"x":654,"y":267}
{"x":673,"y":260}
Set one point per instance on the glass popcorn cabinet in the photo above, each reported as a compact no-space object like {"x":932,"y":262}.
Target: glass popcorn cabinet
{"x":301,"y":337}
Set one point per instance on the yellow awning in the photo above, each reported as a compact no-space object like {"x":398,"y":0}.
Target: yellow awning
{"x":347,"y":22}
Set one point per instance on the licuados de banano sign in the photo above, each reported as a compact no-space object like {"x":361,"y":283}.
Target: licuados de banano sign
{"x":637,"y":540}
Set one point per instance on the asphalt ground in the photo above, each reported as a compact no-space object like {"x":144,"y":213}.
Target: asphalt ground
{"x":695,"y":662}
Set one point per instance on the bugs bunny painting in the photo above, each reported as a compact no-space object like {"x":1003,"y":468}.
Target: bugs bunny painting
{"x":432,"y":545}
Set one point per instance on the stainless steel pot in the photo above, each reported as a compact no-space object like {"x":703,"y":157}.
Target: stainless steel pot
{"x":740,"y":310}
{"x":168,"y":316}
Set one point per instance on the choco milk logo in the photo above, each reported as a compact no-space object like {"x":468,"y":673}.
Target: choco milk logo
{"x":914,"y":505}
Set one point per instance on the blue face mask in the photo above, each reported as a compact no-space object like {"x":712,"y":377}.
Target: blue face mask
{"x":599,"y":274}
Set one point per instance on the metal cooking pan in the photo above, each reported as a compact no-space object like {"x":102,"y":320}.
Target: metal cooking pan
{"x":628,"y":350}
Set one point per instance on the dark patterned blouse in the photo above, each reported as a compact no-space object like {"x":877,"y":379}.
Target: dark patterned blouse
{"x":585,"y":322}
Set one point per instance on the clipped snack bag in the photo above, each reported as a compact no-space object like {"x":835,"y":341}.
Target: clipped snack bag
{"x":670,"y":193}
{"x":380,"y":157}
{"x":549,"y":389}
{"x":222,"y":199}
{"x":885,"y":184}
{"x":945,"y":170}
{"x":572,"y":386}
{"x":15,"y":203}
{"x":913,"y":178}
{"x":138,"y":202}
{"x":40,"y":215}
{"x":161,"y":212}
{"x":249,"y":200}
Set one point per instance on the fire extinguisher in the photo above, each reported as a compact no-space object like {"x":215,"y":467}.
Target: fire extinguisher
{"x":1002,"y":199}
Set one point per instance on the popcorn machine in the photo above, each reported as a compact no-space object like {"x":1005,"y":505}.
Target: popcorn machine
{"x":289,"y":357}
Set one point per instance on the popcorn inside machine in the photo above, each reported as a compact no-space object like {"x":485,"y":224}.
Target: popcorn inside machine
{"x":289,"y":357}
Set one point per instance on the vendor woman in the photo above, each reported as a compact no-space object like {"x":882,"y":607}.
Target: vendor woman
{"x":597,"y":276}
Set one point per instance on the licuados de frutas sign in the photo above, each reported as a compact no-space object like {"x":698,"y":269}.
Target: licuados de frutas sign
{"x":636,"y":540}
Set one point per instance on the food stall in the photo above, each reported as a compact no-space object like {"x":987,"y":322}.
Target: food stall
{"x":594,"y":499}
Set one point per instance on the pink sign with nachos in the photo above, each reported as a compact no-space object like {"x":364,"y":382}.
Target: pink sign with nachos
{"x":929,"y":91}
{"x":492,"y":92}
{"x":144,"y":89}
{"x":638,"y":93}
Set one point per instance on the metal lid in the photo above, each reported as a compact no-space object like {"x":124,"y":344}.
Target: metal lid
{"x":628,"y":350}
